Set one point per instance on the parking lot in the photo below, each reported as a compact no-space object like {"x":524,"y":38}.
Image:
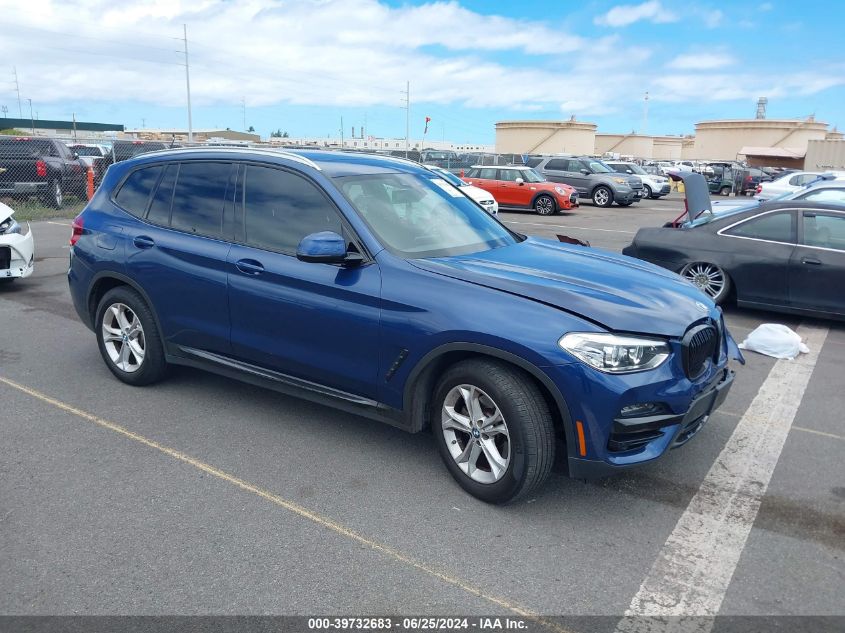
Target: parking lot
{"x":202,"y":495}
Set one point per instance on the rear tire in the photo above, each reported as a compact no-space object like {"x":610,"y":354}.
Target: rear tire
{"x":512,"y":425}
{"x":128,"y":337}
{"x":54,"y":196}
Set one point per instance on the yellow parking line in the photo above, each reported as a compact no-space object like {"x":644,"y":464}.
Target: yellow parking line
{"x":291,"y":506}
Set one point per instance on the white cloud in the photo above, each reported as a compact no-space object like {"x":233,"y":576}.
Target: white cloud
{"x":701,"y":61}
{"x":680,"y":87}
{"x":625,"y":14}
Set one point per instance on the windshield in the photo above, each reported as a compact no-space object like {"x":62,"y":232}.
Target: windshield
{"x":417,"y":216}
{"x":440,"y":156}
{"x":123,"y":151}
{"x":531,"y":175}
{"x":598,"y":167}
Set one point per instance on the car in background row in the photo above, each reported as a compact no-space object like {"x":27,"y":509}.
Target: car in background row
{"x":42,"y":167}
{"x":17,"y":247}
{"x":784,"y":255}
{"x":592,"y":179}
{"x":87,"y":153}
{"x":361,"y":282}
{"x":522,"y":188}
{"x":654,"y":186}
{"x":481,"y":196}
{"x":825,"y":188}
{"x":439,"y":158}
{"x":787,"y":183}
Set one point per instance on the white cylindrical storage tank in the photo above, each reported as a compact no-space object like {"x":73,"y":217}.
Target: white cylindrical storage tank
{"x":545,"y":137}
{"x":724,"y":139}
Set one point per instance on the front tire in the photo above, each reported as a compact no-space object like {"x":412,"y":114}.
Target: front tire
{"x":602,"y":197}
{"x":544,"y":205}
{"x":725,"y":191}
{"x":493,"y":429}
{"x":128,"y":338}
{"x":647,"y":192}
{"x":711,"y":279}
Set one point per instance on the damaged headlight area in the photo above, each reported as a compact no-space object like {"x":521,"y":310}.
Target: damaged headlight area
{"x":10,"y":227}
{"x":615,"y":354}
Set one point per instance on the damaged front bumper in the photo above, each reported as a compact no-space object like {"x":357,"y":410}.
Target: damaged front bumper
{"x":17,"y":254}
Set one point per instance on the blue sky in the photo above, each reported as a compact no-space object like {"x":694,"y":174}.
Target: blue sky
{"x":301,"y":65}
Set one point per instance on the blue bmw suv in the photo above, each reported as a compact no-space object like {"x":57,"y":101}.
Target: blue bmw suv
{"x":370,"y":284}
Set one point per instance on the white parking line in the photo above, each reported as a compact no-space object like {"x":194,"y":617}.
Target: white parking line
{"x":695,"y":566}
{"x":57,"y":223}
{"x":566,"y":226}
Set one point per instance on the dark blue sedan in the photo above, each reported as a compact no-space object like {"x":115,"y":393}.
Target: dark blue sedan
{"x":373,"y":285}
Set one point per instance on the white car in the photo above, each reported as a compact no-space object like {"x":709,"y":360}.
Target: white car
{"x":17,"y":247}
{"x":482,"y":197}
{"x":793,"y":181}
{"x":653,"y":186}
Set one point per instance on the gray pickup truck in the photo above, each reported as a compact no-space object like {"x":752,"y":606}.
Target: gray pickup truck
{"x":591,"y":178}
{"x":42,"y":167}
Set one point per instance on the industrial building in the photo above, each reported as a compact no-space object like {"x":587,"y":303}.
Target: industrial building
{"x":777,"y":142}
{"x":200,"y":136}
{"x":61,"y":129}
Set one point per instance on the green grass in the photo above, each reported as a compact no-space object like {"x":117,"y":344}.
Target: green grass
{"x":33,"y":210}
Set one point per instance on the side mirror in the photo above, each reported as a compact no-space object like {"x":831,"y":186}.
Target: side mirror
{"x":519,"y":181}
{"x":586,"y":172}
{"x":326,"y":247}
{"x":75,"y":156}
{"x":628,"y":171}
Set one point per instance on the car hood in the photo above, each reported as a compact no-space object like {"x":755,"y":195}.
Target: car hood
{"x":617,"y":292}
{"x":476,"y":193}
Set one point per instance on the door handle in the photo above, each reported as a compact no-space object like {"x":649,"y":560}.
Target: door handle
{"x":249,"y":266}
{"x":143,"y":241}
{"x":811,"y":260}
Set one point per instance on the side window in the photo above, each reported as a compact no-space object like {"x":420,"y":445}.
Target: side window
{"x":159,"y":212}
{"x":134,"y":193}
{"x":576,"y":166}
{"x":775,"y":227}
{"x":280,"y":208}
{"x":487,"y":174}
{"x":826,"y":231}
{"x":558,"y":164}
{"x":509,"y":175}
{"x":825,"y":195}
{"x":198,"y":198}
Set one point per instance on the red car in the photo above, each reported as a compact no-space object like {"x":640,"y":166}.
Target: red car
{"x":521,"y":188}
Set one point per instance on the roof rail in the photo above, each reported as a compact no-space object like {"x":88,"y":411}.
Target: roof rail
{"x":240,"y":150}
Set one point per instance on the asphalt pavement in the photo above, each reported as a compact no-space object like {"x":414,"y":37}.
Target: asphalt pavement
{"x":202,"y":495}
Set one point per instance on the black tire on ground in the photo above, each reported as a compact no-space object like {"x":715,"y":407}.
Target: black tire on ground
{"x":725,"y":191}
{"x":54,"y":196}
{"x":528,"y":420}
{"x":647,"y":192}
{"x":545,"y":205}
{"x":154,"y":366}
{"x":602,"y":196}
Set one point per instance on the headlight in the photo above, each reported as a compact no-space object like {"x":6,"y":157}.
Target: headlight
{"x":9,"y":226}
{"x":561,"y":190}
{"x":615,"y":354}
{"x":621,"y":181}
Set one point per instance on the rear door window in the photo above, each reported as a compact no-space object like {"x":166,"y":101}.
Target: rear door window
{"x":134,"y":193}
{"x":198,"y":198}
{"x":280,"y":208}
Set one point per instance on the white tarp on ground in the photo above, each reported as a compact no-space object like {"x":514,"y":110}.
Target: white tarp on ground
{"x":774,"y":339}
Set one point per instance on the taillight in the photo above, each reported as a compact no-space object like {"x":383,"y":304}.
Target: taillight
{"x":760,"y":188}
{"x":76,"y":227}
{"x":41,"y":168}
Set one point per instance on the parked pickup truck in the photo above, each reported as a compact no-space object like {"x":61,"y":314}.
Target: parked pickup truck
{"x":42,"y":167}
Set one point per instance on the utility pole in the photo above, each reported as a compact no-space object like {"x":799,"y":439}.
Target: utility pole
{"x":18,"y":90}
{"x":31,"y":118}
{"x":645,"y":115}
{"x":407,"y":100}
{"x":73,"y":116}
{"x":188,"y":83}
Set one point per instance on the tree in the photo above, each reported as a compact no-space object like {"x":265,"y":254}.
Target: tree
{"x":279,"y":134}
{"x":251,"y":129}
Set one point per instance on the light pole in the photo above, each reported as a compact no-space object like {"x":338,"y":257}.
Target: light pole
{"x":31,"y":118}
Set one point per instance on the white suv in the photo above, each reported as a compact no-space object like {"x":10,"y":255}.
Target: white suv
{"x":653,"y":186}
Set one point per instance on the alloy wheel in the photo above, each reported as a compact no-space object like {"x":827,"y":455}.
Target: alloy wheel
{"x":709,"y":278}
{"x":544,"y":205}
{"x":601,"y":197}
{"x":476,"y":433}
{"x":123,"y":337}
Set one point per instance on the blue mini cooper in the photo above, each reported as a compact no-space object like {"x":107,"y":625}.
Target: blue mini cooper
{"x":373,"y":285}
